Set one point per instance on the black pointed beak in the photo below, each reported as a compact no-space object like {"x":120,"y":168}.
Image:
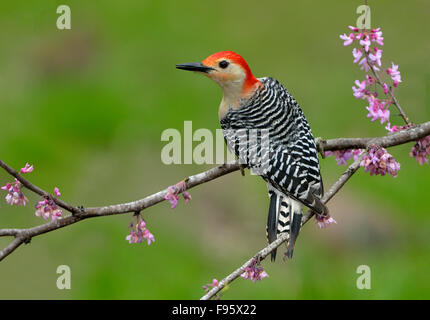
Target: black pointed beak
{"x":194,"y":66}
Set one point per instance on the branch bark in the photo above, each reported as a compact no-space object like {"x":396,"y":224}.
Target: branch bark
{"x":263,"y":253}
{"x":412,"y":134}
{"x":81,"y":213}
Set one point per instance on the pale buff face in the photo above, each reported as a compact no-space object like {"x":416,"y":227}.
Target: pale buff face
{"x":231,"y":72}
{"x":230,"y":78}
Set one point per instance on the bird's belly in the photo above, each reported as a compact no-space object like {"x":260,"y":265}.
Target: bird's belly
{"x":251,"y":146}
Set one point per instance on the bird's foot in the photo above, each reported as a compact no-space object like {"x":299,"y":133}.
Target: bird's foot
{"x":320,"y":146}
{"x":242,"y":169}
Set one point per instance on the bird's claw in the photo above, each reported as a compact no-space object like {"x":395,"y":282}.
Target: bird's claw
{"x":80,"y":212}
{"x":242,"y":169}
{"x":320,"y":146}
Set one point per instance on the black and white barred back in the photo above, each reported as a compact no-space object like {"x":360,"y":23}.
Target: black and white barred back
{"x":290,"y":163}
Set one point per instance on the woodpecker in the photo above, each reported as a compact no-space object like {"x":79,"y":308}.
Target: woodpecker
{"x":292,"y":169}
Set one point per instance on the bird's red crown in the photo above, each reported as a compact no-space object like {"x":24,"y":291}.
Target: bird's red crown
{"x":250,"y":80}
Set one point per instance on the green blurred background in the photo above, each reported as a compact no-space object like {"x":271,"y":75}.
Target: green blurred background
{"x":87,"y":107}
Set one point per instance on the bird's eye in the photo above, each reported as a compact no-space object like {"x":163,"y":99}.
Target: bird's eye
{"x":223,"y":64}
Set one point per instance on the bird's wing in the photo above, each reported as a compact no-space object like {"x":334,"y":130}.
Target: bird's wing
{"x":296,"y":178}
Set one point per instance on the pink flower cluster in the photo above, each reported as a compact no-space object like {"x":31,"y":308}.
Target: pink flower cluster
{"x":378,"y":109}
{"x":365,"y":40}
{"x":140,"y":232}
{"x":369,"y":56}
{"x":173,"y":191}
{"x":47,"y":208}
{"x":254,"y":272}
{"x":421,"y":150}
{"x":15,"y":196}
{"x":344,"y":155}
{"x":324,"y":221}
{"x":379,"y":161}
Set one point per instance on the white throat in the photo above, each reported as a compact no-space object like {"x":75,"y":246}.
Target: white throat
{"x":232,"y":91}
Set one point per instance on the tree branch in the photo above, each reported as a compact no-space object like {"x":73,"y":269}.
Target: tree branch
{"x":263,"y":253}
{"x":80,"y":213}
{"x":412,"y":134}
{"x":36,"y":189}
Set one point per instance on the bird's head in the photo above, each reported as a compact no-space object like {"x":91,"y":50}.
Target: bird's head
{"x":229,"y":70}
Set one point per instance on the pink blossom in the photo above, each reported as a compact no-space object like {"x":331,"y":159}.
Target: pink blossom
{"x":365,"y":43}
{"x":347,"y":39}
{"x":27,"y":168}
{"x":324,"y":221}
{"x":215,"y":283}
{"x":15,"y":197}
{"x":360,"y":91}
{"x":173,"y":191}
{"x":357,"y":54}
{"x":134,"y":237}
{"x":254,"y":272}
{"x":172,"y":197}
{"x":385,"y":88}
{"x":140,"y":232}
{"x":344,"y":155}
{"x":376,"y":36}
{"x":395,"y":74}
{"x":377,"y":110}
{"x":379,"y":161}
{"x":141,"y":225}
{"x":391,"y":129}
{"x":384,"y":115}
{"x":370,"y":80}
{"x":377,"y":113}
{"x":376,"y":57}
{"x":48,"y":209}
{"x":57,"y":192}
{"x":187,"y":196}
{"x":369,"y":57}
{"x":6,"y":187}
{"x":364,"y":65}
{"x":148,"y":236}
{"x":356,"y":153}
{"x":421,"y":150}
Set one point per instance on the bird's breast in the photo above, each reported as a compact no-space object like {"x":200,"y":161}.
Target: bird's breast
{"x":226,"y":105}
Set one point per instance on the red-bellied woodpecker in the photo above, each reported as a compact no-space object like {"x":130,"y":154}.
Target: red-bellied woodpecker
{"x":289,"y":164}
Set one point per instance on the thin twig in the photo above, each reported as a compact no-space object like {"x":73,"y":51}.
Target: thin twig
{"x":11,"y":247}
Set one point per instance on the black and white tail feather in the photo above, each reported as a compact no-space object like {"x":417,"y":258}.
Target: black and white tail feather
{"x":285,"y":216}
